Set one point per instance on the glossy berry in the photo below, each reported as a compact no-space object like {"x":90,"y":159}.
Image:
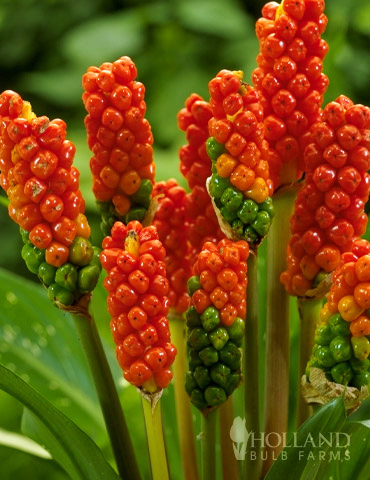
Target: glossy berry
{"x":342,"y":346}
{"x":236,"y":145}
{"x":120,"y":138}
{"x":290,"y":79}
{"x":138,"y":289}
{"x":43,"y":189}
{"x":214,"y":320}
{"x":335,"y":191}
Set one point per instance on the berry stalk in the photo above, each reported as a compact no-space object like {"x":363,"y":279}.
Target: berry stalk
{"x":250,"y":368}
{"x":309,"y":312}
{"x":208,"y":439}
{"x":154,"y":434}
{"x":276,"y":399}
{"x":229,"y":463}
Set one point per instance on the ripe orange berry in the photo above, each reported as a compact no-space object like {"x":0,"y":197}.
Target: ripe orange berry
{"x":362,"y":294}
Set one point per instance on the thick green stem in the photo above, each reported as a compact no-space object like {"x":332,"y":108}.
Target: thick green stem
{"x":251,"y":377}
{"x":112,"y":411}
{"x":183,"y":406}
{"x":230,"y":468}
{"x":309,"y":314}
{"x":276,"y":399}
{"x":208,"y":445}
{"x":154,"y":433}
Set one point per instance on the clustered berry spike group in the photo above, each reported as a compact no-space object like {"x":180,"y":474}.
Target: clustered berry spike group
{"x":133,"y":257}
{"x":329,"y":209}
{"x":169,"y":220}
{"x":195,"y":165}
{"x":121,"y":140}
{"x":45,"y":201}
{"x":240,"y":184}
{"x":342,"y":337}
{"x":290,"y":78}
{"x":215,"y":322}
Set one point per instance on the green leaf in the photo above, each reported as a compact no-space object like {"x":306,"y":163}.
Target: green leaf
{"x":85,"y":459}
{"x":352,"y":454}
{"x":22,"y":443}
{"x":301,"y":458}
{"x":40,"y":343}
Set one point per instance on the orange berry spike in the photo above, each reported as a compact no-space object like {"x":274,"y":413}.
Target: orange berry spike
{"x":133,"y":257}
{"x":289,"y":76}
{"x":342,"y":346}
{"x":42,"y":185}
{"x":240,"y":185}
{"x":329,"y":213}
{"x":215,"y":322}
{"x":120,"y":139}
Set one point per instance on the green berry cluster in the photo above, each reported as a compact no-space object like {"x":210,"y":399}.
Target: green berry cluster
{"x":249,"y":220}
{"x":67,"y":283}
{"x":343,"y":357}
{"x":215,"y":324}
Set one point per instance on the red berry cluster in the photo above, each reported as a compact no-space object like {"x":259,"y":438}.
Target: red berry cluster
{"x":195,"y":165}
{"x":169,"y":220}
{"x":134,"y":258}
{"x":289,"y":76}
{"x":329,"y":209}
{"x":237,"y":125}
{"x":40,"y":181}
{"x":118,"y":134}
{"x":222,"y":271}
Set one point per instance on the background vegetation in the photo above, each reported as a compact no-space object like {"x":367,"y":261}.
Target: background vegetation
{"x":178,"y":46}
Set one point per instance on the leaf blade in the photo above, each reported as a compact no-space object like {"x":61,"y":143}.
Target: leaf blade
{"x":83,"y":453}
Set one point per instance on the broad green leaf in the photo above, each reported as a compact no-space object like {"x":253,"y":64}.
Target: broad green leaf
{"x":40,"y":344}
{"x":85,"y":459}
{"x":33,"y":427}
{"x":22,"y":443}
{"x":352,"y":455}
{"x":301,"y":458}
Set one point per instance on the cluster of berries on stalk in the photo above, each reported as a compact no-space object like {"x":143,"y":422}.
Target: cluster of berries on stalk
{"x":195,"y":166}
{"x":290,"y":79}
{"x":342,"y":337}
{"x":215,"y":322}
{"x":45,"y":201}
{"x":169,"y":220}
{"x":133,"y":257}
{"x":240,"y":184}
{"x":121,"y":140}
{"x":329,"y":210}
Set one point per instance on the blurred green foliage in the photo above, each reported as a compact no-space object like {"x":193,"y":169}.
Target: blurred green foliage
{"x":178,"y":46}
